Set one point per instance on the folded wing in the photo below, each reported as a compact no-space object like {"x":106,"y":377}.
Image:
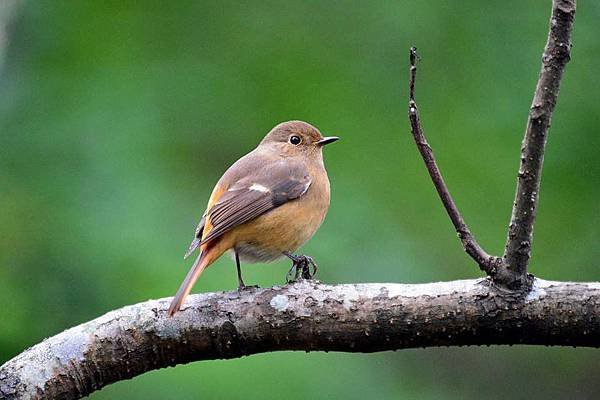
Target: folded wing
{"x":261,"y":191}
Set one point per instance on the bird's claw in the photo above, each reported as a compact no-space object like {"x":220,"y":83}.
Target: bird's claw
{"x":300,"y":268}
{"x":243,"y":287}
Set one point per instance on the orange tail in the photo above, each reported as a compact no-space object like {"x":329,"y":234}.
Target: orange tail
{"x":186,"y":286}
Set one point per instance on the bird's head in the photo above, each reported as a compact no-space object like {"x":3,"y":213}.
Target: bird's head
{"x":296,"y":139}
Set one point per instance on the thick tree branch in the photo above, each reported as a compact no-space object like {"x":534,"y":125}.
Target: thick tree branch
{"x":304,"y":316}
{"x":486,"y":262}
{"x":556,"y":55}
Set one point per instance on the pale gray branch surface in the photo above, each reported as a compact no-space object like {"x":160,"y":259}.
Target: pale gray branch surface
{"x":307,"y":316}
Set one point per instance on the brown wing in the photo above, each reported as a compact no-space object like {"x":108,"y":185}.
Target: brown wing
{"x":266,"y":189}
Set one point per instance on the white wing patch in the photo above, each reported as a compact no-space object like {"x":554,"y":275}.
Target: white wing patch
{"x":259,"y":188}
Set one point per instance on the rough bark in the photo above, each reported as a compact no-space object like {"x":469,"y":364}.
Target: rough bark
{"x":307,"y":316}
{"x":557,"y":54}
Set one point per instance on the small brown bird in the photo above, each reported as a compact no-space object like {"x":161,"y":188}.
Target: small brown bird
{"x":266,"y":205}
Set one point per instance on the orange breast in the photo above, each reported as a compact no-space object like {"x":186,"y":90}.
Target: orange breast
{"x":287,"y":227}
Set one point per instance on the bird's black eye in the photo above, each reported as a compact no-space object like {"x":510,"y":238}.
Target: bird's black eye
{"x":295,"y":140}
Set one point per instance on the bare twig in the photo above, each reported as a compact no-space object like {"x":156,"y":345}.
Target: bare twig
{"x":511,"y":270}
{"x":304,"y":316}
{"x":486,"y":262}
{"x":555,"y":57}
{"x":8,"y":12}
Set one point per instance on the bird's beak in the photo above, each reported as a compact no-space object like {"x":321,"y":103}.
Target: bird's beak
{"x":327,"y":140}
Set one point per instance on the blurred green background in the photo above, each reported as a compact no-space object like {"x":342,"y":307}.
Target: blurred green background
{"x":117,"y":118}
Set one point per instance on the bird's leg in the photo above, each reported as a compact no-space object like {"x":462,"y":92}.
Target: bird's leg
{"x":300,"y":267}
{"x":241,"y":285}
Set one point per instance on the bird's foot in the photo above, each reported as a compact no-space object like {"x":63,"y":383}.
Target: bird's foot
{"x":301,"y":266}
{"x":242,"y":287}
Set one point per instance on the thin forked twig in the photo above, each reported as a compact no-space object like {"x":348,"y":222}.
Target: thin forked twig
{"x":557,"y":54}
{"x":486,"y":262}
